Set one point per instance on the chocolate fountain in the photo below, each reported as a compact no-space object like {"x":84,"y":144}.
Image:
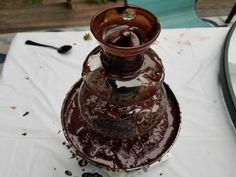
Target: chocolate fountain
{"x":121,"y":114}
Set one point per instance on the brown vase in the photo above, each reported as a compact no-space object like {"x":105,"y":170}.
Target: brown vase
{"x":121,"y":115}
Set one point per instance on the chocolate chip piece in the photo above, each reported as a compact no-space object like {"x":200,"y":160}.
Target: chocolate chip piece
{"x":25,"y":114}
{"x":24,"y":134}
{"x":67,"y":172}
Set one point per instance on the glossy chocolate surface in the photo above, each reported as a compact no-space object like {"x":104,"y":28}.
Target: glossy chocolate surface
{"x":138,"y":21}
{"x":115,"y":153}
{"x":121,"y":115}
{"x":118,"y":99}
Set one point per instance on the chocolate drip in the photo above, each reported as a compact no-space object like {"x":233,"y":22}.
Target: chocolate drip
{"x":115,"y":153}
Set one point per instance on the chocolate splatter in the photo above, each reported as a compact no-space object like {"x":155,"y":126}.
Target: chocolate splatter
{"x":27,"y":78}
{"x":64,"y":143}
{"x":25,"y":114}
{"x":161,"y":174}
{"x":73,"y":155}
{"x":91,"y":175}
{"x":82,"y":163}
{"x":24,"y":134}
{"x":68,"y":146}
{"x":67,"y":172}
{"x":59,"y":131}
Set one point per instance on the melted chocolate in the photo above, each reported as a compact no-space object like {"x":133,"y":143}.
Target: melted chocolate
{"x":124,"y":36}
{"x":119,"y":115}
{"x":109,"y":77}
{"x":113,"y":153}
{"x":91,"y":175}
{"x":122,"y":106}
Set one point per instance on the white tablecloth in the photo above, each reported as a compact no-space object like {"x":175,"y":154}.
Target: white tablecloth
{"x":36,"y":80}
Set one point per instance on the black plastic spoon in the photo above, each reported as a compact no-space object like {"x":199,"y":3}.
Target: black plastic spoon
{"x":63,"y":49}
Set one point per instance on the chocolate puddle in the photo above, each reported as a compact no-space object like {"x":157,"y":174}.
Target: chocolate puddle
{"x":115,"y":153}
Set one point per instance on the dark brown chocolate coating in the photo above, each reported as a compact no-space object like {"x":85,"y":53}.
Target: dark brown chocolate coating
{"x":117,"y":102}
{"x":134,"y":18}
{"x":115,"y":153}
{"x":120,"y":115}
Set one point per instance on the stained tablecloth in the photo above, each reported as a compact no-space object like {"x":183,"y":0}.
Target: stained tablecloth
{"x":35,"y":80}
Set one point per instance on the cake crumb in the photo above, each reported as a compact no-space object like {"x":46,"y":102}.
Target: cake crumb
{"x":13,"y":107}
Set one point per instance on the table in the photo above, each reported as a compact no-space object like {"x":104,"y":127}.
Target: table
{"x":34,"y":82}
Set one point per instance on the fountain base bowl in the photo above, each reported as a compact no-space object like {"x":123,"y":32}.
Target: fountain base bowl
{"x":115,"y":153}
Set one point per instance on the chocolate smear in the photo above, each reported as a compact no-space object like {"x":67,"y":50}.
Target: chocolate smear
{"x":91,"y":175}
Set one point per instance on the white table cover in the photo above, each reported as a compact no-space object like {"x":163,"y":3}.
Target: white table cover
{"x":36,"y":80}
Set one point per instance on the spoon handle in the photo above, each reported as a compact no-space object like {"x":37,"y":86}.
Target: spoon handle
{"x":29,"y":42}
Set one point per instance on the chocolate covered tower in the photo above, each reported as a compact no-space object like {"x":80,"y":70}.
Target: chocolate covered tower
{"x":121,"y":114}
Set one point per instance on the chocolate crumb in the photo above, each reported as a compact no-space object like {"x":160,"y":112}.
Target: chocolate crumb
{"x":83,"y":169}
{"x":59,"y":131}
{"x":67,"y":172}
{"x":24,"y":134}
{"x":161,"y":174}
{"x":25,"y":114}
{"x":26,"y":78}
{"x":64,"y":143}
{"x":54,"y":169}
{"x":13,"y":107}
